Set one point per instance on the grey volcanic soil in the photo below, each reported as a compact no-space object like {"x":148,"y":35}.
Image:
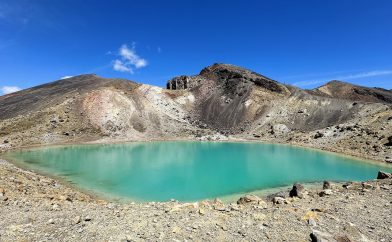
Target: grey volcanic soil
{"x":37,"y":208}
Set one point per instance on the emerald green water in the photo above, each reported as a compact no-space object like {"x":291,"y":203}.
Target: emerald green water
{"x":189,"y":171}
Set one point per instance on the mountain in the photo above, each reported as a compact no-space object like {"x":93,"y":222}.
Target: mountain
{"x":221,"y":102}
{"x":344,"y":90}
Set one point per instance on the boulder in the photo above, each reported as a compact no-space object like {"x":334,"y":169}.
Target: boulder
{"x":218,"y":205}
{"x":248,"y":199}
{"x":298,"y":190}
{"x":280,"y":129}
{"x":327,"y":185}
{"x":325,"y":192}
{"x":389,"y":143}
{"x":366,"y":185}
{"x":383,"y":175}
{"x":318,"y":135}
{"x":279,"y":200}
{"x":318,"y":236}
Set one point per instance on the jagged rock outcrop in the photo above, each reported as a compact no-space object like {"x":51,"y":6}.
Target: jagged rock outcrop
{"x":225,"y":74}
{"x":184,"y":82}
{"x":231,"y":75}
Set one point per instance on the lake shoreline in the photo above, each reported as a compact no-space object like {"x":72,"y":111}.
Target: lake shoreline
{"x":42,"y":208}
{"x":360,"y":157}
{"x":228,"y":195}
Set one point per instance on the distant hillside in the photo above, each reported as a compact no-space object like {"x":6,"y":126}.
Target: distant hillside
{"x":344,"y":90}
{"x":51,"y":94}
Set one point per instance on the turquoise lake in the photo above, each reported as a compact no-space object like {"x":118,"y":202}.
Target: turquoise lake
{"x":188,"y":171}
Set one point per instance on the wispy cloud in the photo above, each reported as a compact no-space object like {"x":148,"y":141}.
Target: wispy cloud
{"x":345,"y":78}
{"x":366,"y":74}
{"x":120,"y":66}
{"x":128,"y":60}
{"x":10,"y":89}
{"x":65,"y":77}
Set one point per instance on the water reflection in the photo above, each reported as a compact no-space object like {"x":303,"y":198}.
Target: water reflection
{"x":190,"y":170}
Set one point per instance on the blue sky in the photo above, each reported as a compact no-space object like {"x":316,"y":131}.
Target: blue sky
{"x":305,"y":43}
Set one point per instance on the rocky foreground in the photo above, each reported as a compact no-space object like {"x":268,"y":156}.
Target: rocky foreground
{"x":37,"y":208}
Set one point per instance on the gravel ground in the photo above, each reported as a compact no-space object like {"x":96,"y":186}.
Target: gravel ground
{"x":38,"y":208}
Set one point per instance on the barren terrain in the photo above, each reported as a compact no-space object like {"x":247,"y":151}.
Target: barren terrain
{"x":223,"y":102}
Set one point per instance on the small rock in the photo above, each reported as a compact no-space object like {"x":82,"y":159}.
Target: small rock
{"x":234,"y":207}
{"x":56,"y":207}
{"x":320,"y":210}
{"x":325,"y":192}
{"x":110,"y":205}
{"x":298,"y":190}
{"x":383,"y":175}
{"x":278,"y":200}
{"x":76,"y":220}
{"x":318,"y":236}
{"x":259,"y":216}
{"x":318,"y":135}
{"x":51,"y":221}
{"x":248,"y":199}
{"x":176,"y":230}
{"x":218,"y":205}
{"x":366,"y":185}
{"x":311,"y":222}
{"x":348,"y":185}
{"x":65,"y":198}
{"x":327,"y":185}
{"x":87,"y":218}
{"x":202,"y":211}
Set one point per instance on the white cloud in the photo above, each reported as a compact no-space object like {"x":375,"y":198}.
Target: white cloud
{"x":344,"y":78}
{"x":10,"y":89}
{"x":366,"y":74}
{"x":120,"y":66}
{"x":65,"y":77}
{"x":129,"y":60}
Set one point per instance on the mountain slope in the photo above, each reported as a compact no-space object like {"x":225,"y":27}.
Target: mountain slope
{"x":88,"y":108}
{"x":344,"y":90}
{"x":221,"y":102}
